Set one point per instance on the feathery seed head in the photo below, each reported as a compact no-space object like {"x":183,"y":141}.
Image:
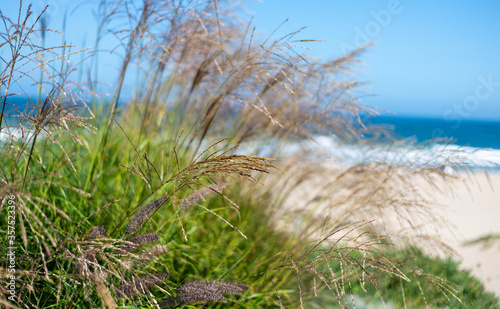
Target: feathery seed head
{"x":144,"y":213}
{"x":138,"y":284}
{"x":200,"y":195}
{"x":97,"y":231}
{"x":193,"y":296}
{"x":214,"y":286}
{"x":139,"y":240}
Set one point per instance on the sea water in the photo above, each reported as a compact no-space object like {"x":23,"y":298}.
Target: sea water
{"x":472,"y":143}
{"x":466,"y":132}
{"x":468,"y":143}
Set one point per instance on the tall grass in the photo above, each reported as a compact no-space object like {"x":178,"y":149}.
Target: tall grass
{"x":164,"y":201}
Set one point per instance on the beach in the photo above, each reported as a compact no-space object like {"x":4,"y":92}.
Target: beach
{"x":457,"y":212}
{"x":474,"y":209}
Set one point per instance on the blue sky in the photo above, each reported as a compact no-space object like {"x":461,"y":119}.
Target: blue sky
{"x":431,"y":57}
{"x":439,"y":59}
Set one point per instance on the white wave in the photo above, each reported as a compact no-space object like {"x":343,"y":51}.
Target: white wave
{"x":16,"y":134}
{"x":345,"y":155}
{"x":437,"y":154}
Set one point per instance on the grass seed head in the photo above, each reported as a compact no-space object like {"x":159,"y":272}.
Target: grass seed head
{"x":140,"y":240}
{"x":144,"y":213}
{"x":214,"y":286}
{"x":137,"y":285}
{"x":97,"y":231}
{"x":200,"y":195}
{"x":193,"y":296}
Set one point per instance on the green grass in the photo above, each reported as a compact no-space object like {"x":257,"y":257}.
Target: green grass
{"x":214,"y":250}
{"x":429,"y":277}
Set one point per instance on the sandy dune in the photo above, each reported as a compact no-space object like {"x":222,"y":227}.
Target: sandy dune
{"x":475,"y":210}
{"x":473,"y":207}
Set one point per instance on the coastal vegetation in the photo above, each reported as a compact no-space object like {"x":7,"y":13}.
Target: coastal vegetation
{"x":186,"y":193}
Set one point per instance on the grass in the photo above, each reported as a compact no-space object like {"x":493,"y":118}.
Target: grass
{"x":427,"y":274}
{"x":165,"y":201}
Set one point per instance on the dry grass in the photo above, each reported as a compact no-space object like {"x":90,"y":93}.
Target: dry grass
{"x":390,"y":192}
{"x":203,"y":292}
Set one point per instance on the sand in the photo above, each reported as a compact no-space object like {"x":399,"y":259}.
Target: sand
{"x":473,"y":207}
{"x":475,"y":211}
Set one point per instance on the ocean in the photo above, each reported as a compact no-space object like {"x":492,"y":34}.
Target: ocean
{"x":476,"y":144}
{"x":471,"y":133}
